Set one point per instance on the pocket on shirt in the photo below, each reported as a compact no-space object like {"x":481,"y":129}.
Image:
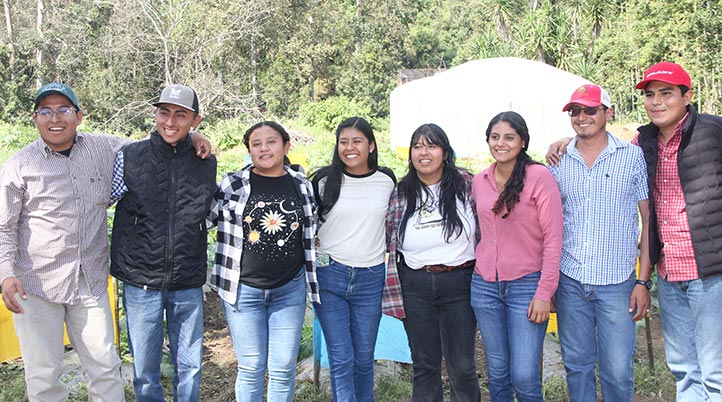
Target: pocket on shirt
{"x":98,"y":190}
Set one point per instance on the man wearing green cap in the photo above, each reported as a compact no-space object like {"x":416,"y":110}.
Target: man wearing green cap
{"x":54,"y":249}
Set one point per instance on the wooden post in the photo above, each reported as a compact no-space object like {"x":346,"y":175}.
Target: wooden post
{"x":650,"y":352}
{"x":116,"y":321}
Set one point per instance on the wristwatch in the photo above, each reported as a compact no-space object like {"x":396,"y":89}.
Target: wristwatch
{"x":646,"y":284}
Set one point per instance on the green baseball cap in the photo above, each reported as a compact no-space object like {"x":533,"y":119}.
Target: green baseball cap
{"x":56,"y":88}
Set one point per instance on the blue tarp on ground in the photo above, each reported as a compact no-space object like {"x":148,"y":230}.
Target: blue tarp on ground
{"x":391,"y":343}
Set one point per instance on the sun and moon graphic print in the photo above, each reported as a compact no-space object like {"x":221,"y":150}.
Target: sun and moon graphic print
{"x":272,"y":246}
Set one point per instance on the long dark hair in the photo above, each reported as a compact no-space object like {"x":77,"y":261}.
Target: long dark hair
{"x":510,"y":196}
{"x":452,"y":185}
{"x":334,"y":171}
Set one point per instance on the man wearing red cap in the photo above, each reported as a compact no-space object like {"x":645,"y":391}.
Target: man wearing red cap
{"x":603,"y":185}
{"x":683,"y":152}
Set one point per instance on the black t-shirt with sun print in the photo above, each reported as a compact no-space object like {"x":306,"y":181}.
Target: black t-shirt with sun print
{"x":272,"y":233}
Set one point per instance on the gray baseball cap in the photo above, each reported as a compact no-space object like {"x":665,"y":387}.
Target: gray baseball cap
{"x":180,"y":95}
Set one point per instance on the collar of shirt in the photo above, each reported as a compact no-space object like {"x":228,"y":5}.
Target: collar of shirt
{"x":613,"y":143}
{"x":488,"y":174}
{"x":676,"y":140}
{"x":43,"y":147}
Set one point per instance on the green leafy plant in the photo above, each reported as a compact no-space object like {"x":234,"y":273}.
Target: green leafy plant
{"x":330,"y":112}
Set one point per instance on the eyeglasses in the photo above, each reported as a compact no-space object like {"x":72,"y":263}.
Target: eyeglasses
{"x":589,"y":111}
{"x":47,"y":113}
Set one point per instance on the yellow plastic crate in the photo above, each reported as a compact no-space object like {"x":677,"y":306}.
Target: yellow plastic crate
{"x":9,"y":345}
{"x":552,"y":326}
{"x":298,"y":158}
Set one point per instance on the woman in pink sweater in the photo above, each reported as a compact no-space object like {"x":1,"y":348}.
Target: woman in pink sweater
{"x":517,"y":261}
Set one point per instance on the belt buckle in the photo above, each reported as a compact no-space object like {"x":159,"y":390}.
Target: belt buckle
{"x":436,"y":268}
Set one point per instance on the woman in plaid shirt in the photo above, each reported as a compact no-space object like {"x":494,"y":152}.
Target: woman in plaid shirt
{"x":266,"y":218}
{"x":431,"y":234}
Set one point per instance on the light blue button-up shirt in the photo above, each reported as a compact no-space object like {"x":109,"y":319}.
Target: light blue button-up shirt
{"x":601,"y":221}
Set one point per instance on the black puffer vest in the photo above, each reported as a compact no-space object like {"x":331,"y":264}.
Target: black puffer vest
{"x":700,"y":172}
{"x":159,"y":232}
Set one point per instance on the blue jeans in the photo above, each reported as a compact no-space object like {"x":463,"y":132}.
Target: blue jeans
{"x":512,"y":343}
{"x":183,"y":310}
{"x":692,"y":328}
{"x":595,"y":326}
{"x":440,"y":320}
{"x":349,"y":314}
{"x":265,"y":326}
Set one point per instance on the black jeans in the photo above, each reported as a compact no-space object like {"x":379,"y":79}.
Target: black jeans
{"x":440,"y":320}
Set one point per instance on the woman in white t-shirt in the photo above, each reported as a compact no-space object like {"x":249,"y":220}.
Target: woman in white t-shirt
{"x":352,"y":195}
{"x":432,"y":231}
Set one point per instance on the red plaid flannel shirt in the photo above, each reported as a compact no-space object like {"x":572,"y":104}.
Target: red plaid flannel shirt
{"x":677,"y":262}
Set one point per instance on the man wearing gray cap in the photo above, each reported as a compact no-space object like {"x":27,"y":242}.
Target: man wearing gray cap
{"x":159,"y":245}
{"x":54,"y":248}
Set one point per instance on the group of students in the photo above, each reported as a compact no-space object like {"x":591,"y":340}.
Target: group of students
{"x":488,"y":251}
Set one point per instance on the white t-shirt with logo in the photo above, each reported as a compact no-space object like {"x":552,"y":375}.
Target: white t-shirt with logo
{"x":424,"y":241}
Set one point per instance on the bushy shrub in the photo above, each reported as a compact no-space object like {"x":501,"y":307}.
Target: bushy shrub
{"x":16,"y":136}
{"x":393,"y":160}
{"x":318,"y":153}
{"x":231,"y":160}
{"x":329,"y":113}
{"x":13,"y":137}
{"x":227,"y":133}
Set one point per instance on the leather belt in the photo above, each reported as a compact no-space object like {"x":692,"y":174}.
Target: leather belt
{"x":447,"y":268}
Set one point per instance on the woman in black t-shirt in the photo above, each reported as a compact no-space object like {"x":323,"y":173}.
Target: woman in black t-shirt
{"x":266,"y":221}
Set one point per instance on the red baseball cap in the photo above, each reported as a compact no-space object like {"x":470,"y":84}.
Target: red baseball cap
{"x":589,"y":95}
{"x":665,"y":71}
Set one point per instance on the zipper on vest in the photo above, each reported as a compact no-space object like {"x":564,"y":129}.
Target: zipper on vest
{"x":171,"y":223}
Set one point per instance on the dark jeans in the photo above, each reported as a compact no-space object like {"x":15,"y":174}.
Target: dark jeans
{"x":440,"y":320}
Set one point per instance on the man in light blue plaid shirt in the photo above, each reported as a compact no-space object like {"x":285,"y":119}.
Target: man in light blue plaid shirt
{"x":603,"y":183}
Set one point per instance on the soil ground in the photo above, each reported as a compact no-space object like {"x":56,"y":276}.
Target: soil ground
{"x":219,"y":359}
{"x":219,"y":366}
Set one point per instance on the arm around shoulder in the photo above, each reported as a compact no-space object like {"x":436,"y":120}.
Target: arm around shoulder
{"x":556,"y":150}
